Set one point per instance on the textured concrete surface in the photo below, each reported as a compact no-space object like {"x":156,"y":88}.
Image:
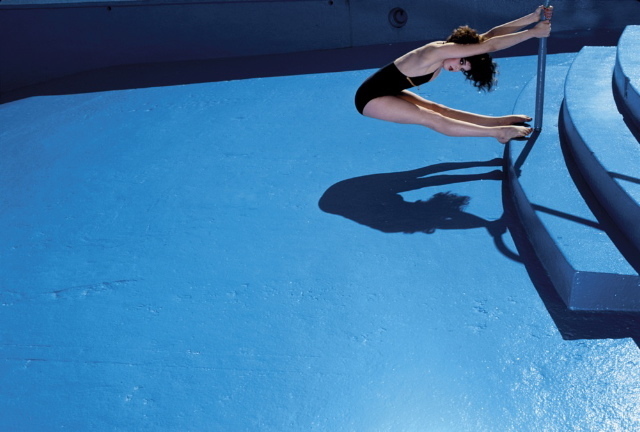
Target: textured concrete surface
{"x":166,"y":265}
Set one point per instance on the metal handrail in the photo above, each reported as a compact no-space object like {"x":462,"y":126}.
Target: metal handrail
{"x":542,"y":64}
{"x":537,"y":125}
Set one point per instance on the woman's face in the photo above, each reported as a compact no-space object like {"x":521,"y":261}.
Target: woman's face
{"x":456,"y":65}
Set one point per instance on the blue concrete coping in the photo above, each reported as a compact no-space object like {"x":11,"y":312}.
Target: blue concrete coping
{"x":626,"y":75}
{"x":584,"y":265}
{"x":607,"y":153}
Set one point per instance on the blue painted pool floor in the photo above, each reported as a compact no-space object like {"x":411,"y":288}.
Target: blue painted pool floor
{"x":254,"y":255}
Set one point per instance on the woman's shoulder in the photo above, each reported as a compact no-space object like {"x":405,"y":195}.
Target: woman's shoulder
{"x":430,"y":46}
{"x":419,"y":59}
{"x":422,"y":54}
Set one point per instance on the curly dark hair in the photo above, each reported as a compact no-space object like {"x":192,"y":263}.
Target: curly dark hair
{"x":483,"y":69}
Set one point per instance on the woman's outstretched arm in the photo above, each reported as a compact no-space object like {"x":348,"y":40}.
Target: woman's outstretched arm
{"x":518,"y":24}
{"x":496,"y":43}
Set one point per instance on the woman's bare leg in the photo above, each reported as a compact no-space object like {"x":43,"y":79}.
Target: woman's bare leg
{"x":398,"y":110}
{"x":469,"y":117}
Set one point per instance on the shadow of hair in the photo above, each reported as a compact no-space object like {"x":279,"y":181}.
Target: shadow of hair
{"x":375,"y":200}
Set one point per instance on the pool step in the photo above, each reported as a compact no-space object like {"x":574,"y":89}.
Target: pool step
{"x":604,"y":148}
{"x":587,"y":269}
{"x":626,"y":75}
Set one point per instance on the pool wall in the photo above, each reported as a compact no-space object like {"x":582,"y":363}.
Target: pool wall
{"x":42,"y":40}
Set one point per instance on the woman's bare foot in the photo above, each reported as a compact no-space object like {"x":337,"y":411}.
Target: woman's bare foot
{"x":506,"y":133}
{"x":513,"y":119}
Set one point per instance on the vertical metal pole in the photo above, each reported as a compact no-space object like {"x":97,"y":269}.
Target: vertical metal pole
{"x":542,"y":64}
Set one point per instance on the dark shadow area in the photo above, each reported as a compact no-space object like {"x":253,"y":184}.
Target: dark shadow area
{"x":214,"y":70}
{"x":571,"y":324}
{"x":375,"y":201}
{"x":236,"y":68}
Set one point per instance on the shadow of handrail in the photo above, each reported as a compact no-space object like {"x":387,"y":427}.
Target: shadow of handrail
{"x":624,"y":177}
{"x":525,"y":152}
{"x":567,"y":216}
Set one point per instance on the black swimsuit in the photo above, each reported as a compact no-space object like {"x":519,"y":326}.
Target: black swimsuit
{"x":388,"y":81}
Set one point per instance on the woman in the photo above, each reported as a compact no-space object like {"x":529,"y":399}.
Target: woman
{"x":384,"y":96}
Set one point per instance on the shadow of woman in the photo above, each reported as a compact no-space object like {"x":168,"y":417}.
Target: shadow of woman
{"x":375,"y":200}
